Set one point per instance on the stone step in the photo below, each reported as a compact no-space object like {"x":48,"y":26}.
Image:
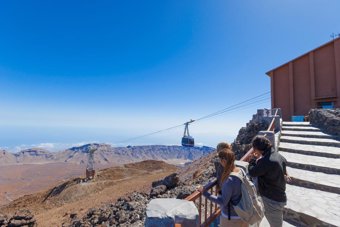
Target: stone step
{"x":299,"y":124}
{"x":306,"y":134}
{"x":306,"y":149}
{"x":311,"y":141}
{"x":265,"y":223}
{"x":301,"y":128}
{"x":310,"y":207}
{"x":285,"y":224}
{"x":314,"y":180}
{"x":312,"y":163}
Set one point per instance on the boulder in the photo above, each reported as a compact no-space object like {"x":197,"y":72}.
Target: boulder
{"x":170,"y":181}
{"x":159,"y":190}
{"x":3,"y":220}
{"x":22,"y":218}
{"x":168,"y":212}
{"x":326,"y":119}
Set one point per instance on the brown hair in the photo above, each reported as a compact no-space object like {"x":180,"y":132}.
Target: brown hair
{"x":223,"y":145}
{"x":228,"y":155}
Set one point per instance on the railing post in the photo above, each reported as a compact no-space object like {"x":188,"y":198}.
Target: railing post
{"x":200,"y":210}
{"x":205,"y":209}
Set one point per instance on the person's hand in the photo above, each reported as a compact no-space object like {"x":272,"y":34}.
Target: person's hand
{"x":249,"y":157}
{"x":200,"y":189}
{"x":288,"y":178}
{"x":257,"y":155}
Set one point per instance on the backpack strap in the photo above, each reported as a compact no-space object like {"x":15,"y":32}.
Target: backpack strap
{"x":240,"y":175}
{"x":229,"y":211}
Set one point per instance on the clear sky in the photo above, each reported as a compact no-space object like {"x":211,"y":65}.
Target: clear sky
{"x":105,"y":71}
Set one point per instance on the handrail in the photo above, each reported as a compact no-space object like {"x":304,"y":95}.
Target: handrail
{"x":214,"y":210}
{"x":247,"y":155}
{"x":214,"y":213}
{"x":271,"y":126}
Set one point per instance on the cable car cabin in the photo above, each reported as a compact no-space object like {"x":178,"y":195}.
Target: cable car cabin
{"x":188,"y":141}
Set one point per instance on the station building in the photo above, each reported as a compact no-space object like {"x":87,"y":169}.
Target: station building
{"x":311,"y":80}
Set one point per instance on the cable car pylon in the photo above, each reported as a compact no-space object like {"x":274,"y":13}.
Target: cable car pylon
{"x":187,"y":140}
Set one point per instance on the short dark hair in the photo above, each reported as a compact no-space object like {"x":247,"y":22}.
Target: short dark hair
{"x":261,"y":143}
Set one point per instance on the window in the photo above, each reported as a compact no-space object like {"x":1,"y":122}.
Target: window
{"x":326,"y":105}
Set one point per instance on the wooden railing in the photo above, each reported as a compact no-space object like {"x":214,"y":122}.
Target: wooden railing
{"x":208,"y":211}
{"x":206,"y":215}
{"x":272,"y":123}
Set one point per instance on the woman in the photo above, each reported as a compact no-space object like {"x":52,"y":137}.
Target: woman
{"x":231,"y":190}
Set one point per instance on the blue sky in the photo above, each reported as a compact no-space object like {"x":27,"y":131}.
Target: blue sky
{"x":82,"y":71}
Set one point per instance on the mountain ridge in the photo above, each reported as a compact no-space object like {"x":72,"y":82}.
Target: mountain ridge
{"x":104,"y":155}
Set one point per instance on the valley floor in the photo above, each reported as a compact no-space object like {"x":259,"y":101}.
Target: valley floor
{"x":109,"y":185}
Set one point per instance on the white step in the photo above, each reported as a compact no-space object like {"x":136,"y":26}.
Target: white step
{"x":307,"y":134}
{"x":300,"y":124}
{"x":301,"y":128}
{"x":265,"y":223}
{"x":312,"y":141}
{"x":321,"y":178}
{"x":315,"y":203}
{"x":332,"y":152}
{"x":313,"y":163}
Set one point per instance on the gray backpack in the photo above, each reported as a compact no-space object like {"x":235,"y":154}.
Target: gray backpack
{"x":250,"y":208}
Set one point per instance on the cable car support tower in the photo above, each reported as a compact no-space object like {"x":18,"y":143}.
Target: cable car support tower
{"x":90,"y":172}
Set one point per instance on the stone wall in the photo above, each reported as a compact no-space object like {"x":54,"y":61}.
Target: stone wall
{"x":242,"y":143}
{"x":328,"y":120}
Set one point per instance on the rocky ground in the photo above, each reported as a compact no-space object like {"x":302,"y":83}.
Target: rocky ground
{"x":131,"y":209}
{"x":75,"y":198}
{"x":20,"y":218}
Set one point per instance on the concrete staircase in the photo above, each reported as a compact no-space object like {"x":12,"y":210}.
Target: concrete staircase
{"x":314,"y":165}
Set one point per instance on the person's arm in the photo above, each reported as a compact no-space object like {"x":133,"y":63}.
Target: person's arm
{"x":257,"y":168}
{"x":284,"y":165}
{"x":223,"y":199}
{"x":213,"y":198}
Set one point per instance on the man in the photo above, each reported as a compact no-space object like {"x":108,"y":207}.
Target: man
{"x":270,"y":169}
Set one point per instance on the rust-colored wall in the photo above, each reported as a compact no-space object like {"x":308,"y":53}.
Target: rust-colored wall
{"x":300,"y":84}
{"x":324,"y":66}
{"x":337,"y":67}
{"x":281,"y":95}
